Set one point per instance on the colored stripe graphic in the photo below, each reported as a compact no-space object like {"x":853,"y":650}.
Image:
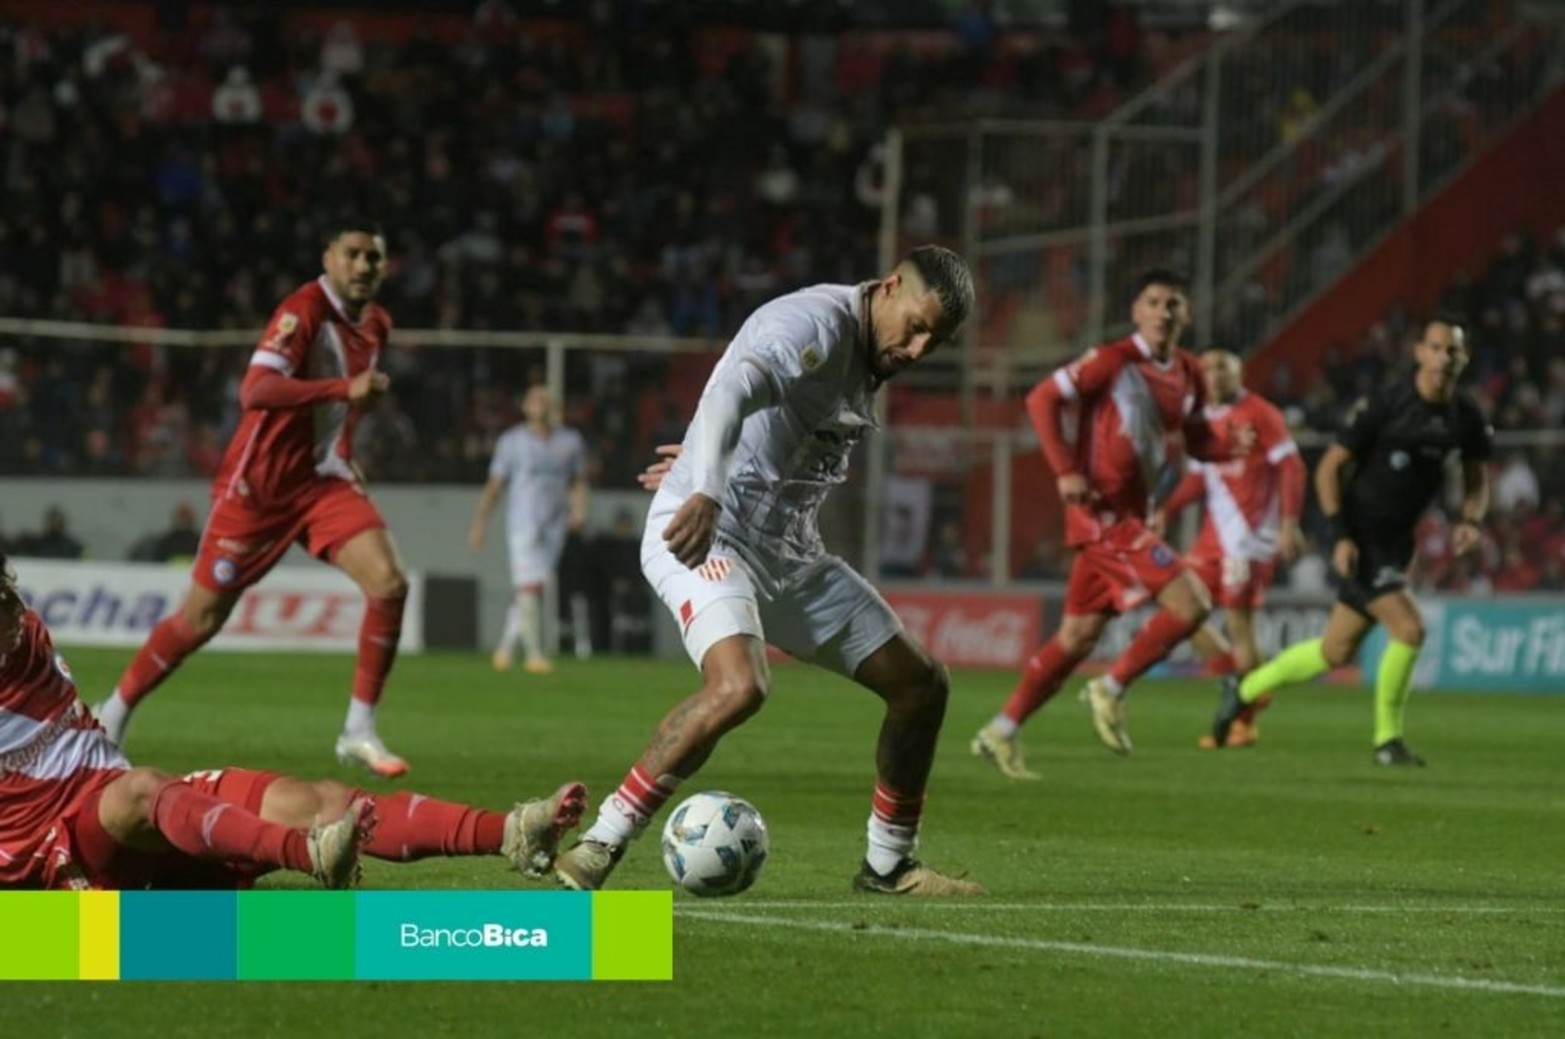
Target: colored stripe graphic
{"x":336,"y":936}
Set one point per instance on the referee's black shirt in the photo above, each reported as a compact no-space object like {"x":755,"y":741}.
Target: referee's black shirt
{"x":1400,"y":442}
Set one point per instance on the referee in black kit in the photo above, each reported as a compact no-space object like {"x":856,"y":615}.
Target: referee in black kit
{"x":1374,"y":483}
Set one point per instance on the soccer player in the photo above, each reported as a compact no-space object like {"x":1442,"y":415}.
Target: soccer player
{"x":1385,"y":469}
{"x":288,"y":476}
{"x":733,"y":548}
{"x":74,"y":813}
{"x":1132,"y":399}
{"x":543,"y":466}
{"x":1253,"y":504}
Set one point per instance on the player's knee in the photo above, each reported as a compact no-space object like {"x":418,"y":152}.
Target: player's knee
{"x":1409,"y":632}
{"x":738,"y":696}
{"x":332,"y":798}
{"x":140,"y":790}
{"x":1079,"y":641}
{"x":206,"y":619}
{"x":1337,"y":653}
{"x":388,"y":583}
{"x":931,"y":687}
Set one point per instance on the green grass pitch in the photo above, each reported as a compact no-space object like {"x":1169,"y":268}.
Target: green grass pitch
{"x":1289,"y":890}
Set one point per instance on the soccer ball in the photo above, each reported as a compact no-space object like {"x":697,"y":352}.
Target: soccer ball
{"x":714,"y":844}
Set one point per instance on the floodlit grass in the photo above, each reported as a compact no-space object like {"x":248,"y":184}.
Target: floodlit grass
{"x":1293,"y":889}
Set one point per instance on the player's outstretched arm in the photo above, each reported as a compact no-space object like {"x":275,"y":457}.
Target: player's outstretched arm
{"x":267,"y":389}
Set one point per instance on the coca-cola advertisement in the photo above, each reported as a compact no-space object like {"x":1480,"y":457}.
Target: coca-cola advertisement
{"x":972,"y":629}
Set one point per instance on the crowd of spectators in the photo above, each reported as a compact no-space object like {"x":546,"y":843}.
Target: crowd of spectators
{"x":618,"y":169}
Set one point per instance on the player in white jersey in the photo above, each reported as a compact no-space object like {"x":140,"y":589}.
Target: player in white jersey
{"x":733,"y":549}
{"x":542,"y":467}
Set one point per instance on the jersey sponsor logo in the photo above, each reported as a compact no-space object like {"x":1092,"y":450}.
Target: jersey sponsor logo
{"x":715,"y":569}
{"x":224,"y":570}
{"x":811,"y":358}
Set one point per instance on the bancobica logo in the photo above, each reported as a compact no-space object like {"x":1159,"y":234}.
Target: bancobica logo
{"x":487,"y":936}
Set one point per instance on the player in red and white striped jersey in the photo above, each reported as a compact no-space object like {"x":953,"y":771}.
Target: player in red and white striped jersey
{"x":74,"y":813}
{"x":1253,"y":502}
{"x":288,"y":476}
{"x":1134,"y":401}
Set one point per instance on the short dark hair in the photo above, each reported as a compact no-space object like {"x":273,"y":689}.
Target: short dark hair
{"x":1165,"y":276}
{"x":344,"y":223}
{"x":1440,"y":317}
{"x":947,"y":276}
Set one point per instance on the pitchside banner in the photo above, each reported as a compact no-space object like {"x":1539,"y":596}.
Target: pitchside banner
{"x":336,"y":936}
{"x":117,"y":604}
{"x":972,"y":629}
{"x":1508,"y":645}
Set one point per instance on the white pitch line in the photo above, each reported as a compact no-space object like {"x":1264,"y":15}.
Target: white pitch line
{"x":1128,"y":907}
{"x":1197,"y":959}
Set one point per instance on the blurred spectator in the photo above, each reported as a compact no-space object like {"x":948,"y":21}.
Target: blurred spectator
{"x":1516,"y":485}
{"x":54,"y":541}
{"x":236,"y":102}
{"x":948,"y":557}
{"x":180,"y":542}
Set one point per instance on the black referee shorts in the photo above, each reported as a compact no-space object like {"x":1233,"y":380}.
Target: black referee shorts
{"x":1382,"y":569}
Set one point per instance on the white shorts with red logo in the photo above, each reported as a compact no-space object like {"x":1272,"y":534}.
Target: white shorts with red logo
{"x":822,"y":612}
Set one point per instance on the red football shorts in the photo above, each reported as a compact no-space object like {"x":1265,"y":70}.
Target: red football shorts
{"x":241,"y":544}
{"x":1118,"y":574}
{"x":1234,"y":582}
{"x":105,"y":863}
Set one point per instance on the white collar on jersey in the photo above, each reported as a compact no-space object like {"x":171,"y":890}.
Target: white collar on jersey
{"x":336,"y":302}
{"x":1146,"y":351}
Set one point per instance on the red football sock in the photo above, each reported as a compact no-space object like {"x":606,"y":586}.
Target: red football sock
{"x":206,"y":827}
{"x":165,"y":649}
{"x":1151,"y":644}
{"x":1045,"y":672}
{"x":411,"y":826}
{"x":378,"y":638}
{"x":897,"y":809}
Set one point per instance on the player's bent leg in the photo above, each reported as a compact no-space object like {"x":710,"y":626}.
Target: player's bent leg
{"x":1042,"y":676}
{"x":915,"y":689}
{"x":1394,"y":677}
{"x":1243,"y":731}
{"x":201,"y":615}
{"x":370,"y":557}
{"x":1185,"y":607}
{"x":735,"y":683}
{"x":1300,"y":662}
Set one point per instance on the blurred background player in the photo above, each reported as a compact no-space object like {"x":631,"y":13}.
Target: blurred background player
{"x":1373,"y":484}
{"x":288,"y":476}
{"x":1131,"y":398}
{"x":1253,"y":502}
{"x":733,"y":548}
{"x":543,"y":466}
{"x":74,"y":813}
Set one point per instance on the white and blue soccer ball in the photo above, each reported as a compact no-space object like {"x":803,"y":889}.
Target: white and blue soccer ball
{"x":714,"y":844}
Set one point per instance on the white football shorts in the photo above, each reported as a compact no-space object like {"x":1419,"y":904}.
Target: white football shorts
{"x":822,"y":612}
{"x":535,"y":553}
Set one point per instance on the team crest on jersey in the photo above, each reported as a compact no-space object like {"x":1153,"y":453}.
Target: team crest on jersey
{"x":224,"y":571}
{"x":1162,"y":555}
{"x":714,"y":569}
{"x":811,"y":358}
{"x":286,"y":324}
